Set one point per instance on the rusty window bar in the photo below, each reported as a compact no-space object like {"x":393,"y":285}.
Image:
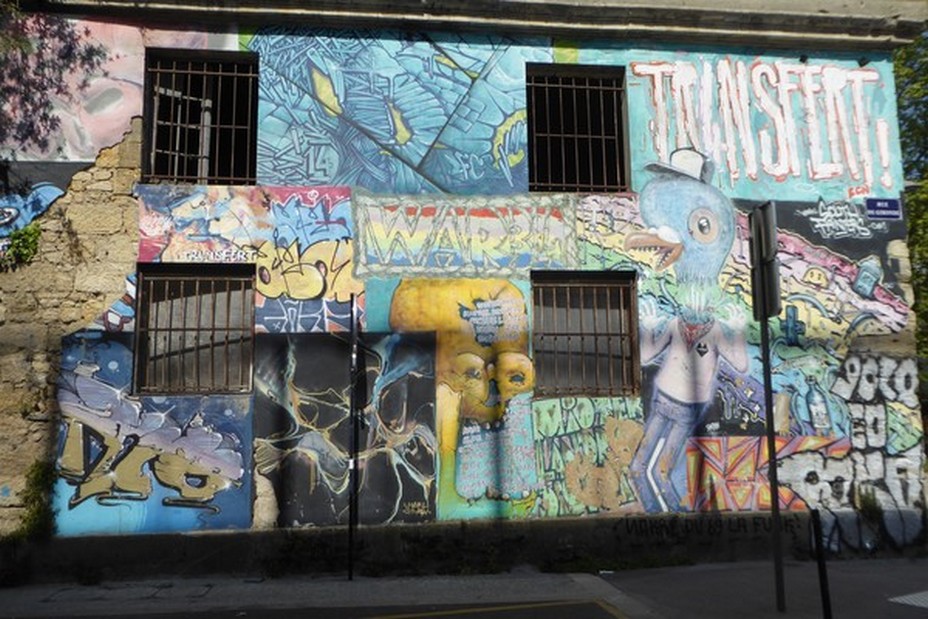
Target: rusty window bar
{"x":207,"y":134}
{"x":177,"y":348}
{"x":576,"y":133}
{"x":582,"y":346}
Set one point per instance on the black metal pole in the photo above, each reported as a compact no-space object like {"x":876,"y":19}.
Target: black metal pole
{"x":822,"y":567}
{"x":772,"y":463}
{"x":353,"y":455}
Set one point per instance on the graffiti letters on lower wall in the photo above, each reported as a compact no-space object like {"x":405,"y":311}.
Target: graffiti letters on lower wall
{"x":150,"y":464}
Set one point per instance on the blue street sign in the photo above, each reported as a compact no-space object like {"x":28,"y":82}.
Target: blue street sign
{"x":884,"y":208}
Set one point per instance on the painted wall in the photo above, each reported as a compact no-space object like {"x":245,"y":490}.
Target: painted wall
{"x":393,"y":167}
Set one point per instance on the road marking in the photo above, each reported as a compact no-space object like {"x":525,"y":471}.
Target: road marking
{"x":913,"y":599}
{"x":612,"y":610}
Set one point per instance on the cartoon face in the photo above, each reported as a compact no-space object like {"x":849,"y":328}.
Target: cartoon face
{"x":469,"y":377}
{"x":514,"y":374}
{"x":690,"y":225}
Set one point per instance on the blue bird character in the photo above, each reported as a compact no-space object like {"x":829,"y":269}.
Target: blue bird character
{"x":690,"y":228}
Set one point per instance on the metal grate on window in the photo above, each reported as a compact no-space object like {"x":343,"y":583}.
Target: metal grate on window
{"x":201,"y":114}
{"x":585,"y":333}
{"x":576,"y":122}
{"x":194,"y":329}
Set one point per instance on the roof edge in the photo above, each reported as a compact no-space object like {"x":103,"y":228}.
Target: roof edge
{"x":816,"y":29}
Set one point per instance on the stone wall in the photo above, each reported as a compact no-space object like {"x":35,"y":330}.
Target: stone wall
{"x":88,"y":246}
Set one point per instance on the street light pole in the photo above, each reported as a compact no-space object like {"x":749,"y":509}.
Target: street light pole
{"x":765,"y":291}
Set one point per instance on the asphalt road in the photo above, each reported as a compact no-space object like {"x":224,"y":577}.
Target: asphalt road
{"x":594,"y":609}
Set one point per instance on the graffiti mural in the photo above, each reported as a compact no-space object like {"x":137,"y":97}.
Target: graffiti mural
{"x":730,"y":473}
{"x":120,"y":316}
{"x":394,"y":112}
{"x":694,"y":227}
{"x":97,"y":113}
{"x":707,"y":456}
{"x":395,"y":170}
{"x":482,"y":368}
{"x":16,"y":211}
{"x":298,"y":240}
{"x":150,"y":464}
{"x":881,"y":467}
{"x":303,"y":426}
{"x":747,"y":114}
{"x":463,"y":237}
{"x":584,"y":447}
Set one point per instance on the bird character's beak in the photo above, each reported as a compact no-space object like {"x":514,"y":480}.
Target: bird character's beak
{"x":660,"y":241}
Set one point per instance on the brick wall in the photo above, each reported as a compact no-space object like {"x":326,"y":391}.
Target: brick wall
{"x":88,"y":246}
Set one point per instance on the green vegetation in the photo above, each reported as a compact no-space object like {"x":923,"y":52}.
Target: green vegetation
{"x":38,"y":523}
{"x":911,"y":69}
{"x":24,"y":245}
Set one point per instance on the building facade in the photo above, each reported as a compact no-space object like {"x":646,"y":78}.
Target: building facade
{"x":535,"y":223}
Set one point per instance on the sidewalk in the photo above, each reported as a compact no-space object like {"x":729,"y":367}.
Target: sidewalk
{"x":859,"y":589}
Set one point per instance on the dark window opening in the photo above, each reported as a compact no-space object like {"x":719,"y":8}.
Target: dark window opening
{"x":576,"y":136}
{"x":201,"y":114}
{"x":194,"y":329}
{"x":585,"y":333}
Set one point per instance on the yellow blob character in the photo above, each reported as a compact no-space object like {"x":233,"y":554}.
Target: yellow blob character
{"x":468,"y":362}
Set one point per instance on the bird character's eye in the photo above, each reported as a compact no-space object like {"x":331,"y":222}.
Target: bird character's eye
{"x":704,"y":225}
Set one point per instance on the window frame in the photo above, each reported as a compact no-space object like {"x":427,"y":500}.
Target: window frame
{"x":244,"y":137}
{"x":564,"y":73}
{"x":626,"y":382}
{"x":148,"y":331}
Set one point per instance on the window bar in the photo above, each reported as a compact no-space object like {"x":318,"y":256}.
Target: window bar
{"x":604,"y":326}
{"x":182,"y":353}
{"x":576,"y":131}
{"x":533,"y":130}
{"x":634,"y":378}
{"x":617,"y":140}
{"x":546,"y":131}
{"x":604,"y":180}
{"x":582,"y":334}
{"x":212,"y":337}
{"x":226,"y":331}
{"x":241,"y":341}
{"x":156,"y":88}
{"x":250,"y":127}
{"x":595,"y":335}
{"x":622,"y":358}
{"x":633,"y":328}
{"x":568,"y":303}
{"x":233,"y":131}
{"x":205,"y":124}
{"x":166,"y":358}
{"x":589,"y":140}
{"x":151,"y":329}
{"x":196,"y":334}
{"x":174,"y":147}
{"x":558,"y":341}
{"x":563,"y":179}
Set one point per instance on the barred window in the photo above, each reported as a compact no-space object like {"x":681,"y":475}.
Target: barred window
{"x":194,"y":328}
{"x":200,"y":117}
{"x":585,"y":333}
{"x":576,"y":128}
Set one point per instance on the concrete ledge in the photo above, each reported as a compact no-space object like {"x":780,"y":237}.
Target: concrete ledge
{"x":875,"y":25}
{"x":561,"y":545}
